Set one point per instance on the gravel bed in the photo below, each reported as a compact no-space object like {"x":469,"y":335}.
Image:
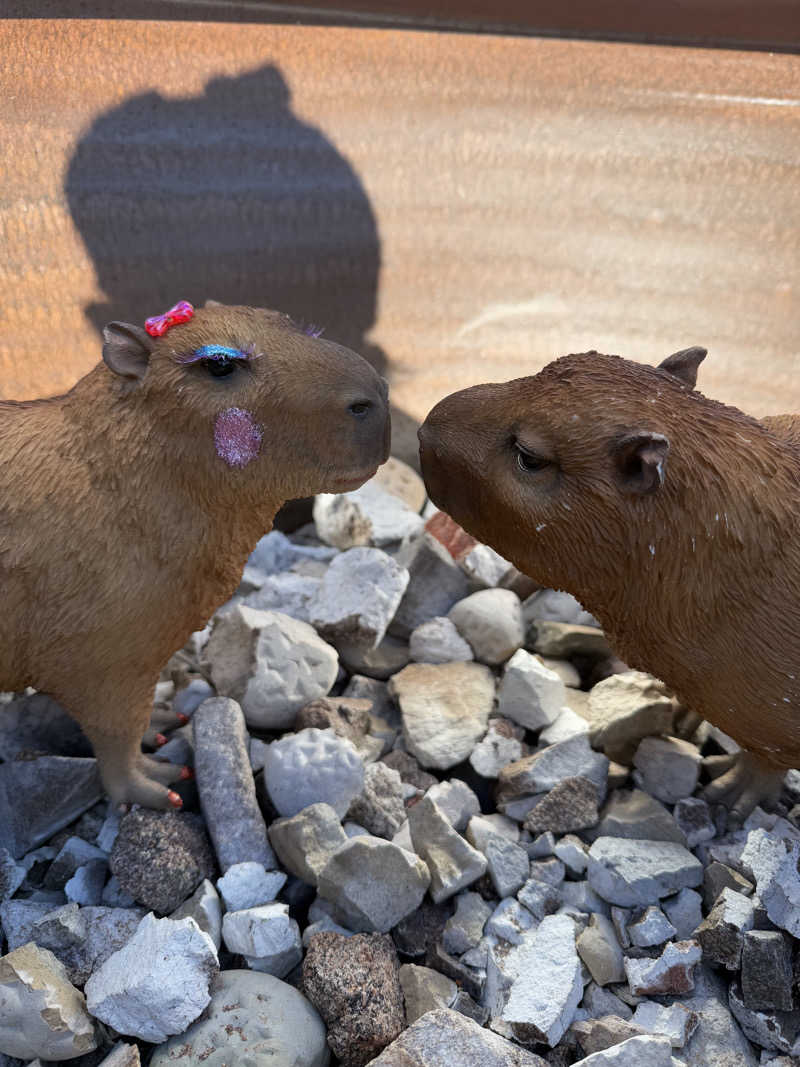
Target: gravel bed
{"x":433,"y":820}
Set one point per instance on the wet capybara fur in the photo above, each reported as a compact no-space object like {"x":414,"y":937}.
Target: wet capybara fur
{"x":129,"y":506}
{"x":671,"y":517}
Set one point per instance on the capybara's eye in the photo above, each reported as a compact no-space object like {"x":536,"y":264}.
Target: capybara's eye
{"x":359,"y":408}
{"x":529,"y":462}
{"x":220,"y":367}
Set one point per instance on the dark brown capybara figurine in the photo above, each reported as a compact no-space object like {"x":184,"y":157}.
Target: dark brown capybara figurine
{"x":129,"y":506}
{"x":671,"y":517}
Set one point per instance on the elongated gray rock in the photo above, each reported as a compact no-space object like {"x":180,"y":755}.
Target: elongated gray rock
{"x":632,"y":873}
{"x":41,"y":1012}
{"x":158,"y":983}
{"x":226,"y":787}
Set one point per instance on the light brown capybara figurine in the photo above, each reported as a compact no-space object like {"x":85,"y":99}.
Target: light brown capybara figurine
{"x":129,"y":506}
{"x":672,"y":518}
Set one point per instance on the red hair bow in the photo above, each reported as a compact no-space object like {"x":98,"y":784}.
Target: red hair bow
{"x":158,"y":325}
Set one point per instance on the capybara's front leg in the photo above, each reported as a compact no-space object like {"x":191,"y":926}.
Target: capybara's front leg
{"x":745,"y":783}
{"x":129,"y":776}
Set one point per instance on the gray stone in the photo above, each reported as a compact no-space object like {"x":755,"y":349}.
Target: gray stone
{"x":436,"y":583}
{"x":767,"y":971}
{"x":598,"y":1034}
{"x":627,"y":707}
{"x":445,"y":709}
{"x":774,"y":1030}
{"x":510,"y":919}
{"x":491,"y":621}
{"x":508,"y":865}
{"x":225,"y":785}
{"x":780,"y":892}
{"x":485,"y":567}
{"x":248,"y":885}
{"x":717,"y":1041}
{"x":452,"y":862}
{"x":671,"y":973}
{"x":241,"y":1003}
{"x":74,"y":853}
{"x":266,"y":936}
{"x":549,"y":870}
{"x":673,"y":1021}
{"x":494,"y":751}
{"x":275,"y":552}
{"x":358,"y":597}
{"x":540,"y":898}
{"x":721,"y":934}
{"x":631,"y":872}
{"x":270,"y":663}
{"x":312,"y":767}
{"x":543,"y":770}
{"x":189,"y":699}
{"x":158,"y":983}
{"x":568,"y":674}
{"x":693,"y":817}
{"x":684,"y":911}
{"x":289,"y":593}
{"x":306,"y":841}
{"x":205,"y":908}
{"x":464,"y":929}
{"x":28,"y":814}
{"x":637,"y":815}
{"x":568,"y":724}
{"x":402,"y":481}
{"x":354,"y":984}
{"x":379,"y":807}
{"x":12,"y":875}
{"x":547,"y":986}
{"x":651,"y":928}
{"x":601,"y":952}
{"x":438,"y":641}
{"x":656,"y":1051}
{"x":573,"y":853}
{"x":551,"y":605}
{"x":425,"y":990}
{"x":529,"y":693}
{"x":443,"y":1037}
{"x":570,"y":805}
{"x":718,"y":876}
{"x":86,"y":885}
{"x":467,"y":1006}
{"x":481,"y":828}
{"x":457,"y":802}
{"x":368,"y":515}
{"x":563,"y":640}
{"x":161,"y":857}
{"x":382,"y":662}
{"x":18,"y":918}
{"x":41,"y":1012}
{"x":667,"y":767}
{"x":599,"y":1002}
{"x":373,"y":883}
{"x":122,"y":1055}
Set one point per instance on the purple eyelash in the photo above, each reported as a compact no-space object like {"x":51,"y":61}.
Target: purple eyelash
{"x":313,"y":331}
{"x":217,"y":352}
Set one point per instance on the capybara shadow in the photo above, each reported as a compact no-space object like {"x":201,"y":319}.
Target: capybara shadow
{"x":671,"y":517}
{"x":129,"y":505}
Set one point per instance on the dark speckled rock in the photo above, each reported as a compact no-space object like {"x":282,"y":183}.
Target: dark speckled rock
{"x":353,"y":983}
{"x":160,"y":858}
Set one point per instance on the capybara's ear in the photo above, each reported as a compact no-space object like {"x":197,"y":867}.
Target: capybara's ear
{"x":684,"y":364}
{"x":641,"y":459}
{"x":126,"y":349}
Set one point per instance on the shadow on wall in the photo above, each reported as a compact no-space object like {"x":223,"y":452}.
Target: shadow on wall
{"x":225,"y":195}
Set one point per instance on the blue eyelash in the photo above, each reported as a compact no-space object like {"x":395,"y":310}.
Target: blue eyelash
{"x":218,"y":352}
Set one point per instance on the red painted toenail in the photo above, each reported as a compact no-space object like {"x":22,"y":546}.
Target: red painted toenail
{"x":182,"y":719}
{"x":174,"y":799}
{"x":160,"y":740}
{"x":187,"y":774}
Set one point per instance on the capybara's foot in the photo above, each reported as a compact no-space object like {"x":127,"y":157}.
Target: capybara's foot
{"x":160,"y":771}
{"x":161,"y":723}
{"x":744,"y":785}
{"x":148,"y":785}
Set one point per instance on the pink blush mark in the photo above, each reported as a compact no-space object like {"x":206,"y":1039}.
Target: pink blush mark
{"x":237,"y":438}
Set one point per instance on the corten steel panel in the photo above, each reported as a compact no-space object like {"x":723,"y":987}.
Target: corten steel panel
{"x":462,"y":208}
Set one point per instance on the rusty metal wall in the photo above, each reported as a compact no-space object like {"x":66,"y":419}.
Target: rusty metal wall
{"x":463,"y":208}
